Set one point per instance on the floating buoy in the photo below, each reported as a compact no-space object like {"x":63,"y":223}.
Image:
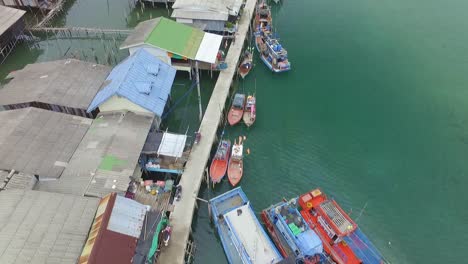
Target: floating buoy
{"x":245,"y":138}
{"x":248,"y":151}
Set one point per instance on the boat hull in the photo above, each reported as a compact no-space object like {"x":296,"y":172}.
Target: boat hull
{"x":247,"y":119}
{"x":283,"y":248}
{"x":218,"y":169}
{"x":235,"y":171}
{"x":265,"y":60}
{"x":245,"y":66}
{"x":235,"y":116}
{"x":243,"y":71}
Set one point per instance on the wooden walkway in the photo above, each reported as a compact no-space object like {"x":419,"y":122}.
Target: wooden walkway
{"x":181,"y":218}
{"x":83,"y":30}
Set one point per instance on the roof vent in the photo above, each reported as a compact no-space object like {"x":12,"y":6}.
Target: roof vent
{"x":144,"y":87}
{"x":152,"y":69}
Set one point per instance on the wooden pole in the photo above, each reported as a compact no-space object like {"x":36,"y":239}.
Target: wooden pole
{"x":198,"y":90}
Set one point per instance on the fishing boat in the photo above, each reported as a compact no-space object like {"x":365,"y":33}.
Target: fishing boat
{"x":291,"y":234}
{"x":242,"y":236}
{"x":246,"y":64}
{"x":236,"y":164}
{"x":341,"y":238}
{"x":237,"y":109}
{"x":220,"y":161}
{"x":272,"y":53}
{"x":250,"y":111}
{"x":263,"y":19}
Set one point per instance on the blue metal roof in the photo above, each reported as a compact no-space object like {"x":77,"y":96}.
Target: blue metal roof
{"x":141,"y":78}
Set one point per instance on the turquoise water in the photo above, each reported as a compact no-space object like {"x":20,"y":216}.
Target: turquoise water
{"x":374,"y":112}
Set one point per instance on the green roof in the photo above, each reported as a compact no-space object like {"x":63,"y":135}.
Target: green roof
{"x":176,"y":38}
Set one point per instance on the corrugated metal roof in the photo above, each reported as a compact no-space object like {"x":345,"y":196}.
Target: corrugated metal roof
{"x":172,"y":145}
{"x":39,"y":142}
{"x":8,"y":17}
{"x":41,"y":227}
{"x":176,"y":38}
{"x":70,"y":83}
{"x":139,"y":68}
{"x":201,"y":15}
{"x":209,"y":48}
{"x":140,"y":33}
{"x":127,"y":217}
{"x":106,"y":156}
{"x":152,"y":143}
{"x":113,"y":237}
{"x":16,"y":180}
{"x":216,"y":6}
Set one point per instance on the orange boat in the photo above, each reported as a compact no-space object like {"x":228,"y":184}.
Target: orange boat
{"x":236,"y":165}
{"x":237,"y":109}
{"x":342,"y":238}
{"x":220,"y":161}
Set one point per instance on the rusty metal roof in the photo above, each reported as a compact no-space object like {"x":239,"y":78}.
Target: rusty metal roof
{"x":114,"y":235}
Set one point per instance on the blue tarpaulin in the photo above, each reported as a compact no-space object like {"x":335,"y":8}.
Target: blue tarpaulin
{"x":309,"y":243}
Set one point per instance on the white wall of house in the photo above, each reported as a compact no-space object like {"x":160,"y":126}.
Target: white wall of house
{"x":117,"y":103}
{"x":184,"y":20}
{"x":159,"y":53}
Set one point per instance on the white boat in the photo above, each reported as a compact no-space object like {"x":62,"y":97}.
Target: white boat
{"x":243,"y":238}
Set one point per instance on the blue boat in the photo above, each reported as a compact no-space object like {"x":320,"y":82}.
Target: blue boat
{"x":272,"y":53}
{"x":243,"y":238}
{"x":292,"y":235}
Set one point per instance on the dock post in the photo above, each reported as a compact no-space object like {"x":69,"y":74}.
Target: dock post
{"x":198,"y":90}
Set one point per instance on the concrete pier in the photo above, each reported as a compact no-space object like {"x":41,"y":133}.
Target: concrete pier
{"x":181,"y":218}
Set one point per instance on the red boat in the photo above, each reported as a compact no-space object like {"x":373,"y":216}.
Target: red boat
{"x":341,"y":237}
{"x":236,"y":165}
{"x":220,"y":161}
{"x":237,"y":109}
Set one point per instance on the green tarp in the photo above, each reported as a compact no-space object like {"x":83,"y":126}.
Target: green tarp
{"x":294,"y":229}
{"x":154,"y":246}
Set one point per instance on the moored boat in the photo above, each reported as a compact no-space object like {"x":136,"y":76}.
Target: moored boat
{"x":237,"y":109}
{"x":263,"y":19}
{"x":220,"y":161}
{"x":242,"y":236}
{"x":272,"y":53}
{"x":345,"y":241}
{"x":250,"y":111}
{"x":236,"y":164}
{"x":291,"y":234}
{"x":246,"y":64}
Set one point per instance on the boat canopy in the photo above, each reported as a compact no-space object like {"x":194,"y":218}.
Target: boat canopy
{"x":309,"y":243}
{"x":250,"y":101}
{"x":223,"y":148}
{"x":247,"y":230}
{"x":237,"y":151}
{"x":239,"y":100}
